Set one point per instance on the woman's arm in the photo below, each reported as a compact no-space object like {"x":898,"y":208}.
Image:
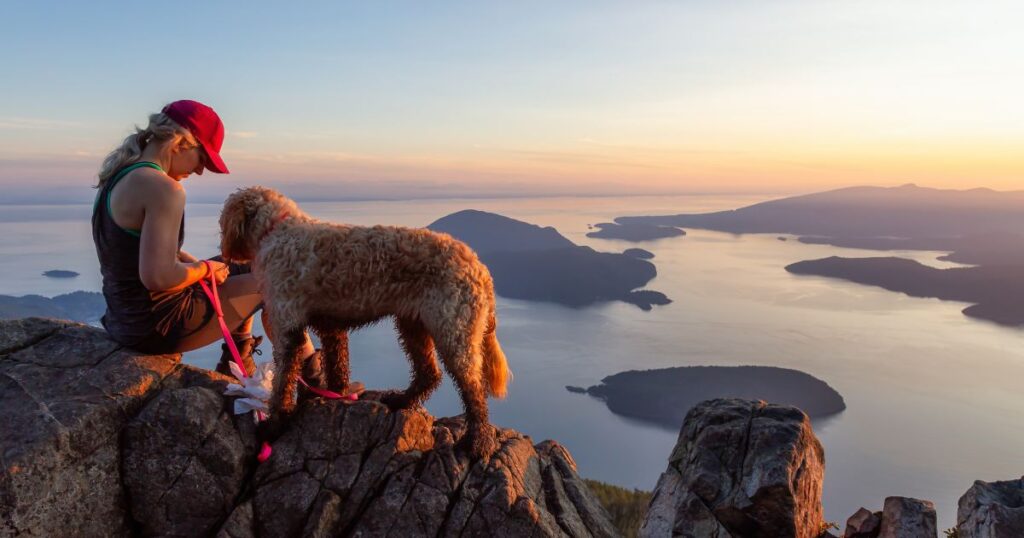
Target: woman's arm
{"x":185,"y":257}
{"x":160,"y":268}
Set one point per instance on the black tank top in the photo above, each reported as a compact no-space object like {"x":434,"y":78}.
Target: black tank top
{"x":133,"y":312}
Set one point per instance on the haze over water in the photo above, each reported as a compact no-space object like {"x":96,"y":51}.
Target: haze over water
{"x":933,"y":397}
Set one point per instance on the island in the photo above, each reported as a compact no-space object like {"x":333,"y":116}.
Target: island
{"x":634,"y":231}
{"x":536,"y":263}
{"x":996,"y":290}
{"x":639,"y":253}
{"x":60,"y":273}
{"x":83,"y":306}
{"x":663,"y":397}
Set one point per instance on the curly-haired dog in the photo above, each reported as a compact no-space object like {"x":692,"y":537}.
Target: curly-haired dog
{"x":336,"y":277}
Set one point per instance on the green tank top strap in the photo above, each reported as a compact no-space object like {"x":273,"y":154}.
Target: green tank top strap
{"x":117,"y":177}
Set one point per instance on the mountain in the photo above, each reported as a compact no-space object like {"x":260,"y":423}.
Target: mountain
{"x":907,"y":211}
{"x":982,"y":227}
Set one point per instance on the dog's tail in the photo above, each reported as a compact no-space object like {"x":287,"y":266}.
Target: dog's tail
{"x":496,"y":372}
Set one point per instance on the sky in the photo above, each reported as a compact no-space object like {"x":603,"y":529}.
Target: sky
{"x":397,"y":100}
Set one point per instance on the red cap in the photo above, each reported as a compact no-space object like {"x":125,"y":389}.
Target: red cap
{"x":205,"y":126}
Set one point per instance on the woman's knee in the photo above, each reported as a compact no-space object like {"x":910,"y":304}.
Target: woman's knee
{"x":240,"y":298}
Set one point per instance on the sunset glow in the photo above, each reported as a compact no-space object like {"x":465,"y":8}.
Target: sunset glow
{"x":583,"y":98}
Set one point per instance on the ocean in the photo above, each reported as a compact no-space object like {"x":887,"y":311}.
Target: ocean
{"x":933,"y":397}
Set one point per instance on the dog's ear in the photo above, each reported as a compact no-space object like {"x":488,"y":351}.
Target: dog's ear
{"x":234,"y":226}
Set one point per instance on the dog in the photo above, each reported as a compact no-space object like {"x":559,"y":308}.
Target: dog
{"x":333,"y":278}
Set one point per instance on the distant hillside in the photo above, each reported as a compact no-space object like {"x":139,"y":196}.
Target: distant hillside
{"x":664,"y":396}
{"x":979,"y":227}
{"x":82,"y":306}
{"x":539,"y":264}
{"x":908,"y":211}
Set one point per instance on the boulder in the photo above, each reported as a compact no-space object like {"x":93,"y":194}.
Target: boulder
{"x":66,"y":392}
{"x":863,"y":524}
{"x":992,"y":510}
{"x":740,"y":468}
{"x":904,"y":517}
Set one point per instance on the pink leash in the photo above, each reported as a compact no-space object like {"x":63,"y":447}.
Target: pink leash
{"x":211,"y":291}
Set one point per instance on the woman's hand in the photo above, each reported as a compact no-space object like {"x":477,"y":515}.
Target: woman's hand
{"x":220,"y":271}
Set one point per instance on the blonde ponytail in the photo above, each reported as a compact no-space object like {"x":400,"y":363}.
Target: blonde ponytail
{"x":161,"y":129}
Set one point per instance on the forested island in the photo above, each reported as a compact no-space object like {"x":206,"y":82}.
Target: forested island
{"x":539,"y":264}
{"x":664,"y":396}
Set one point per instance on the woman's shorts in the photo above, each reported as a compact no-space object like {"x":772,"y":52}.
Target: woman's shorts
{"x":187,"y":313}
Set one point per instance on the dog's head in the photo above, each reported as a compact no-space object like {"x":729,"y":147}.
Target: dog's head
{"x":249,"y":214}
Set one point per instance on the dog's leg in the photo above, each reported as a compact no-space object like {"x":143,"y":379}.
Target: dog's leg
{"x":464,"y":364}
{"x":479,"y":439}
{"x":334,"y":356}
{"x":289,"y":366}
{"x":426,"y":375}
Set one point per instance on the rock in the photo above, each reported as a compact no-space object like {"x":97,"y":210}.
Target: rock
{"x":102,"y":441}
{"x":863,"y":524}
{"x":904,"y":517}
{"x":66,"y":392}
{"x":184,"y":462}
{"x":992,"y":510}
{"x":574,"y":388}
{"x":740,"y":468}
{"x":359,"y":469}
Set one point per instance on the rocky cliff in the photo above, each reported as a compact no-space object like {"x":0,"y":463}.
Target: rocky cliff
{"x":102,"y":441}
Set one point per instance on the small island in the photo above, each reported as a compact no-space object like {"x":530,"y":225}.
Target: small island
{"x":634,"y":231}
{"x":60,"y":273}
{"x":663,"y":397}
{"x":639,"y":253}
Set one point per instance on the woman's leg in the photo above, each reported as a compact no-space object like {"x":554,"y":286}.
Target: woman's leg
{"x":240,"y":298}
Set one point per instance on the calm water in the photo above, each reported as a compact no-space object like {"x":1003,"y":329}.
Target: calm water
{"x":933,"y":397}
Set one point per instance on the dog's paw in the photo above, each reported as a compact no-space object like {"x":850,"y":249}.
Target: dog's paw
{"x":481,"y":442}
{"x":396,"y":400}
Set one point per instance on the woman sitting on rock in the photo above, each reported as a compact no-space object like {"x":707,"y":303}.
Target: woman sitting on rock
{"x":155,"y":303}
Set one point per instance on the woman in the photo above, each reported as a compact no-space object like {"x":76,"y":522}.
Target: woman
{"x":154,"y":300}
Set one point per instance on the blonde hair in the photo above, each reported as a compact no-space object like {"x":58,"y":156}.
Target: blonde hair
{"x":161,"y":128}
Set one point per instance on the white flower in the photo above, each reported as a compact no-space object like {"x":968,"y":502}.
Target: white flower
{"x":254,"y":391}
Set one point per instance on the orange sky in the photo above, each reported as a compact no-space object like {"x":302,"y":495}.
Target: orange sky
{"x":539,"y":98}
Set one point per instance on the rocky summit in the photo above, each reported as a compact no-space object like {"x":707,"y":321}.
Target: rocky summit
{"x":99,"y":440}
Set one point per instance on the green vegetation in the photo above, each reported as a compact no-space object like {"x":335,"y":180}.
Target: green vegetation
{"x":827,"y":526}
{"x":626,"y":507}
{"x":952,"y":532}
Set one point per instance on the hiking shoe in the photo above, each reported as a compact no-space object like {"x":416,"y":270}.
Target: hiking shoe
{"x":313,"y":370}
{"x":246,"y":349}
